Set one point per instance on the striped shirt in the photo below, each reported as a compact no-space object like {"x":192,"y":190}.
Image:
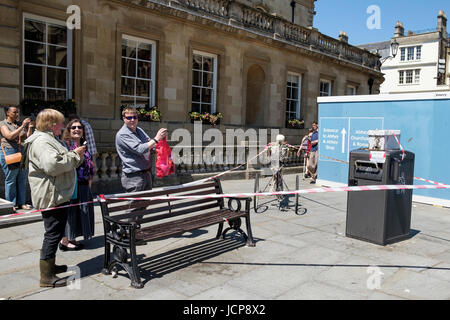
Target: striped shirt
{"x":89,"y":136}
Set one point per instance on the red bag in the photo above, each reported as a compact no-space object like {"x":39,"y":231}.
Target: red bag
{"x":164,"y":162}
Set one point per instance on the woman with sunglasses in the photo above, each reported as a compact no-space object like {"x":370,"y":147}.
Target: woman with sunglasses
{"x":13,"y":135}
{"x":80,"y":219}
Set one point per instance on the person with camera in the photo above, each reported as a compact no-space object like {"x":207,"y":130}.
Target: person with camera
{"x":13,"y":134}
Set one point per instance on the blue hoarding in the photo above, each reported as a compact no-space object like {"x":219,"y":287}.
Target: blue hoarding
{"x":424,"y":122}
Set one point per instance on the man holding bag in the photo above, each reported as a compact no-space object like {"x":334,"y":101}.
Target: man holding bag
{"x":133,"y":146}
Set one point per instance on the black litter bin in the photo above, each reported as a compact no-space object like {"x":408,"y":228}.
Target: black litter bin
{"x":381,"y":216}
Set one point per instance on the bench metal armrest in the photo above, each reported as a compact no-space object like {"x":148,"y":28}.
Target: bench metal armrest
{"x":247,"y":200}
{"x":128,"y":225}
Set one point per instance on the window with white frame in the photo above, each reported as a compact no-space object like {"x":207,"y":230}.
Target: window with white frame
{"x":204,"y":79}
{"x":409,"y":76}
{"x":325,"y":88}
{"x":46,"y":59}
{"x":401,"y":77}
{"x":410,"y":53}
{"x":138,"y":61}
{"x":418,"y":52}
{"x":293,"y":95}
{"x":351,"y":90}
{"x":417,"y":76}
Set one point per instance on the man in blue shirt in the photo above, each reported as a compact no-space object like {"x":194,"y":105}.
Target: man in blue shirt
{"x":133,"y":146}
{"x":313,"y":154}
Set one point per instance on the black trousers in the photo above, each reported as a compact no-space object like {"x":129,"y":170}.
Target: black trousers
{"x":54,"y":225}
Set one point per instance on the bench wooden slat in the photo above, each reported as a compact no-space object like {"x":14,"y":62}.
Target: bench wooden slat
{"x":156,"y":217}
{"x":184,"y":225}
{"x":157,"y":193}
{"x":145,"y":203}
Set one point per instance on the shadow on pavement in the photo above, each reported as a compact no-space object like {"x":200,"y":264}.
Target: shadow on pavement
{"x":173,"y":260}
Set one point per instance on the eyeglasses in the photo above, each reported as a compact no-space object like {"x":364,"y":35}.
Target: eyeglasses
{"x":131,"y":118}
{"x":76,"y":127}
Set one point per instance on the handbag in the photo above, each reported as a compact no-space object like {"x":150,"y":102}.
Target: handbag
{"x":12,"y":158}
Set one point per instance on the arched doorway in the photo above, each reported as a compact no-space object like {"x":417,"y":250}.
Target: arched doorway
{"x":254,"y":115}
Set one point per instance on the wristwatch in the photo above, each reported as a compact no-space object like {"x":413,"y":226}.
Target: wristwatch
{"x":155,"y":140}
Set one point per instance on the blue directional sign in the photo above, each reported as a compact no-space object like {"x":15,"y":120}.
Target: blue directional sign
{"x":338,"y":136}
{"x":423,"y":120}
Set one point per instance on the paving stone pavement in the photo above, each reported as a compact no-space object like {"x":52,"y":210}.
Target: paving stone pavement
{"x":297,"y":257}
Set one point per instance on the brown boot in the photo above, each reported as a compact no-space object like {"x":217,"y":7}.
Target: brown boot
{"x":48,"y":277}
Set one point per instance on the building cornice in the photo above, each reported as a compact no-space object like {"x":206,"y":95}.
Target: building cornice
{"x":232,"y":17}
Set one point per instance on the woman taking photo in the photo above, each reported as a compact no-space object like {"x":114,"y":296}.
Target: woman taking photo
{"x":13,"y":135}
{"x":80,"y":220}
{"x":52,"y":174}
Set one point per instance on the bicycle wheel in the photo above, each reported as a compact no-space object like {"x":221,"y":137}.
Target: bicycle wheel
{"x":256,"y":189}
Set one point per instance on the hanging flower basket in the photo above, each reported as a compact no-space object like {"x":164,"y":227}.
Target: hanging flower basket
{"x":206,"y":117}
{"x":295,"y":124}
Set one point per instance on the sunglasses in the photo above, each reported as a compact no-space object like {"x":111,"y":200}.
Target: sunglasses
{"x":131,"y":117}
{"x":76,"y":127}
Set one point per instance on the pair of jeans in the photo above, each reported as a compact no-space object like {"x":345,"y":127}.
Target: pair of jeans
{"x":15,"y":179}
{"x":54,"y":225}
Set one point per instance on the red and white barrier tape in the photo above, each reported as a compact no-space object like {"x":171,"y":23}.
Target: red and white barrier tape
{"x":47,"y":209}
{"x":430,"y":181}
{"x":401,"y":148}
{"x":261,"y":194}
{"x":436,"y":185}
{"x":118,"y":195}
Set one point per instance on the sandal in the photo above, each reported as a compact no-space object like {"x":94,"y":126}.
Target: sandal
{"x":26,"y":207}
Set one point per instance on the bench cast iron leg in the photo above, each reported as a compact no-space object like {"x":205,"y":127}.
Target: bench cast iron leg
{"x":134,"y":272}
{"x":106,"y":264}
{"x":219,"y":231}
{"x":250,"y":241}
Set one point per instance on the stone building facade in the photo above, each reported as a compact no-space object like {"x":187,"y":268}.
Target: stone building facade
{"x":245,"y":59}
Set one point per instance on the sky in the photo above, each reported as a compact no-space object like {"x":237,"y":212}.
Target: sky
{"x":351,"y":16}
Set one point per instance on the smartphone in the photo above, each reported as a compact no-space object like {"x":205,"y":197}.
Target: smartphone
{"x":85,"y":144}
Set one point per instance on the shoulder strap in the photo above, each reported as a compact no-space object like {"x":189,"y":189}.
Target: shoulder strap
{"x":1,"y":143}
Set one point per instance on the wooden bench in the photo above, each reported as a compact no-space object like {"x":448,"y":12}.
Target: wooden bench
{"x":127,"y":223}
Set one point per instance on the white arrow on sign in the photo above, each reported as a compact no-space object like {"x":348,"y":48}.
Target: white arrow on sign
{"x":343,"y":139}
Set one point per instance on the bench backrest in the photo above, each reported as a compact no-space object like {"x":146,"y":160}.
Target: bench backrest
{"x":154,"y":210}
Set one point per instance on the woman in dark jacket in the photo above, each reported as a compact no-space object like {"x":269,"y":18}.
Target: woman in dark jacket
{"x":80,"y":220}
